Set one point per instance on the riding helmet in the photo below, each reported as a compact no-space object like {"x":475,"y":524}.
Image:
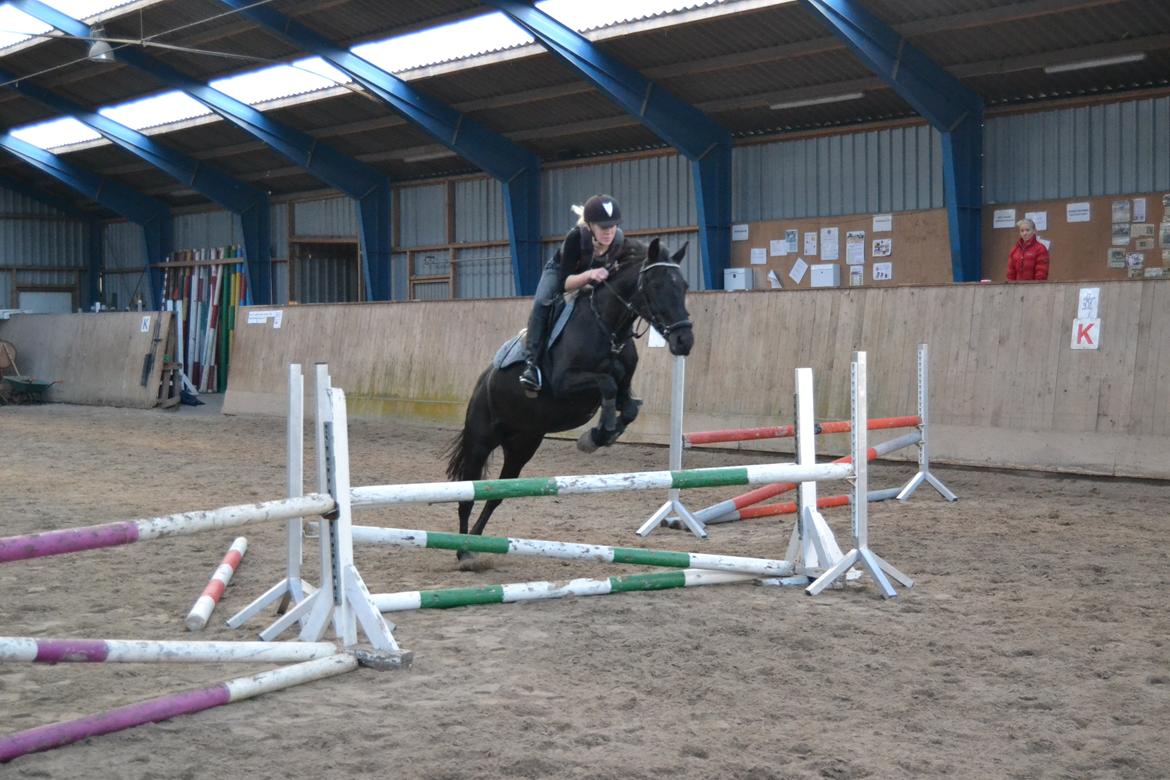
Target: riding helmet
{"x":603,"y":211}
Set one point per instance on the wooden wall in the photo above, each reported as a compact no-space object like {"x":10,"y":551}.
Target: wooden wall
{"x":1007,"y":390}
{"x":96,"y":358}
{"x":1080,"y":250}
{"x":921,"y":248}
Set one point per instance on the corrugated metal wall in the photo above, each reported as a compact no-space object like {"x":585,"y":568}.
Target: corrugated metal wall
{"x":479,"y":211}
{"x":123,"y":248}
{"x":899,"y":169}
{"x":480,"y":215}
{"x":654,"y":192}
{"x":422,"y":216}
{"x":328,"y":217}
{"x":47,"y":243}
{"x":207,"y":229}
{"x":35,"y":235}
{"x":484,"y":272}
{"x":278,"y":244}
{"x":15,"y":203}
{"x":1088,"y":151}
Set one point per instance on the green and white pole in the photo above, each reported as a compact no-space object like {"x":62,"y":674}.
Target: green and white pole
{"x":399,"y":537}
{"x":488,"y":489}
{"x":536,"y":591}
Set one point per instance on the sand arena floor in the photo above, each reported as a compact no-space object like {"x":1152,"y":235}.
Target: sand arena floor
{"x":1035,"y":642}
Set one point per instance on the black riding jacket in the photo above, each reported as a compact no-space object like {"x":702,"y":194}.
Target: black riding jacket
{"x":623,"y":250}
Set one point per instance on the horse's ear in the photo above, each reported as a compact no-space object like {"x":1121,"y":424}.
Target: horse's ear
{"x":652,"y":251}
{"x":680,"y":254}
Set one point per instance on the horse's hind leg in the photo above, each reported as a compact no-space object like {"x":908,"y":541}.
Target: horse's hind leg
{"x":518,"y":450}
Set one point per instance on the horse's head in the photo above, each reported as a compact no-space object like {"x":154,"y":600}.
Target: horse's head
{"x":660,"y":297}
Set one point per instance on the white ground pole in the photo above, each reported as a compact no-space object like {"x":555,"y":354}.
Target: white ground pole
{"x":674,"y":512}
{"x":860,"y":554}
{"x":923,"y":453}
{"x":292,"y":587}
{"x":812,"y":547}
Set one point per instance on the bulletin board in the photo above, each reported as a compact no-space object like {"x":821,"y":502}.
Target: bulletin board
{"x":917,"y":243}
{"x":1080,"y":250}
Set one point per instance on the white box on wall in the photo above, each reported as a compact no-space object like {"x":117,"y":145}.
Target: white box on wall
{"x":825,"y":275}
{"x":737,"y":279}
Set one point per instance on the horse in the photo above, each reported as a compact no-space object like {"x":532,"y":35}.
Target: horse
{"x":591,"y":366}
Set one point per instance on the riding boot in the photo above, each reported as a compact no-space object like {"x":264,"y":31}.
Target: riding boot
{"x":537,"y":334}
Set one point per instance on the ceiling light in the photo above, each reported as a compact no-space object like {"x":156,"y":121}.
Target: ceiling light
{"x":1097,"y":63}
{"x":99,"y":50}
{"x":817,"y":101}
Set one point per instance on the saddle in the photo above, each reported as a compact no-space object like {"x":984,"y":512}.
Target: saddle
{"x":512,"y":350}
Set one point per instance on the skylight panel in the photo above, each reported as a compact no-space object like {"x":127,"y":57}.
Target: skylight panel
{"x":85,"y":9}
{"x":603,"y":13}
{"x":497,"y":32}
{"x":280,"y":81}
{"x":465,"y":38}
{"x":155,"y":110}
{"x":17,"y":26}
{"x":55,"y":133}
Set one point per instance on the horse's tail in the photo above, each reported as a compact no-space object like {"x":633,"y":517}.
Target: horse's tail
{"x":460,"y":447}
{"x":456,"y":455}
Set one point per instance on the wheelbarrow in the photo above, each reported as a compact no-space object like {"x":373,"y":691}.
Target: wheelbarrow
{"x":26,"y":390}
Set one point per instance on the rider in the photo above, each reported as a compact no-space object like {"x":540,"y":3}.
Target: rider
{"x":594,"y":244}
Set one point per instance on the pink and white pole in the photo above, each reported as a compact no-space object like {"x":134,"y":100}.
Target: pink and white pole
{"x":164,"y":707}
{"x":69,"y":540}
{"x":201,"y":612}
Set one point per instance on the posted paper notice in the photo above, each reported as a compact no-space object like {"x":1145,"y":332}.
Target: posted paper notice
{"x":830,"y":243}
{"x":855,"y":247}
{"x":799,"y":268}
{"x":1078,"y":212}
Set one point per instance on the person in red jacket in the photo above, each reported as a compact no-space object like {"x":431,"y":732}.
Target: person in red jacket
{"x":1029,"y":259}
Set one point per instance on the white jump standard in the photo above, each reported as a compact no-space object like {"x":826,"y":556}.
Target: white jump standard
{"x":860,"y":554}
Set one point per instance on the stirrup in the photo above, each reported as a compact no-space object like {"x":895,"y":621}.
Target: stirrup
{"x":531,"y":379}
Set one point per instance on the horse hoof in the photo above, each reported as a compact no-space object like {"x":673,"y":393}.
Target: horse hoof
{"x":531,"y":393}
{"x":585,"y":442}
{"x":470,"y":562}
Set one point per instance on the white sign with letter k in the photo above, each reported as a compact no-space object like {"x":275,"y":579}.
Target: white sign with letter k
{"x":1086,"y":334}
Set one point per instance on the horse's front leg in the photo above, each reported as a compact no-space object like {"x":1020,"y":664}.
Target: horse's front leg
{"x":628,"y":406}
{"x":607,"y":429}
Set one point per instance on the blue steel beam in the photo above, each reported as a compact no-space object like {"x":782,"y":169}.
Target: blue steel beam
{"x":357,"y":180}
{"x":950,"y":106}
{"x":515,"y":167}
{"x":152,"y":215}
{"x":247,"y":202}
{"x":690,"y":131}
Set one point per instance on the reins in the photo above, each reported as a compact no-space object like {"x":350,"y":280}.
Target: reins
{"x":633,"y":313}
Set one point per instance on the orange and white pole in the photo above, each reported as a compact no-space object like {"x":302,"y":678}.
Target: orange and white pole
{"x":200,"y":613}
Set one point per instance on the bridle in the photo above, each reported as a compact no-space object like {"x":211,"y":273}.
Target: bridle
{"x":645,"y":312}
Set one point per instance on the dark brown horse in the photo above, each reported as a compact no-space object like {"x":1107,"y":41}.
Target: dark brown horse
{"x":590,"y":366}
